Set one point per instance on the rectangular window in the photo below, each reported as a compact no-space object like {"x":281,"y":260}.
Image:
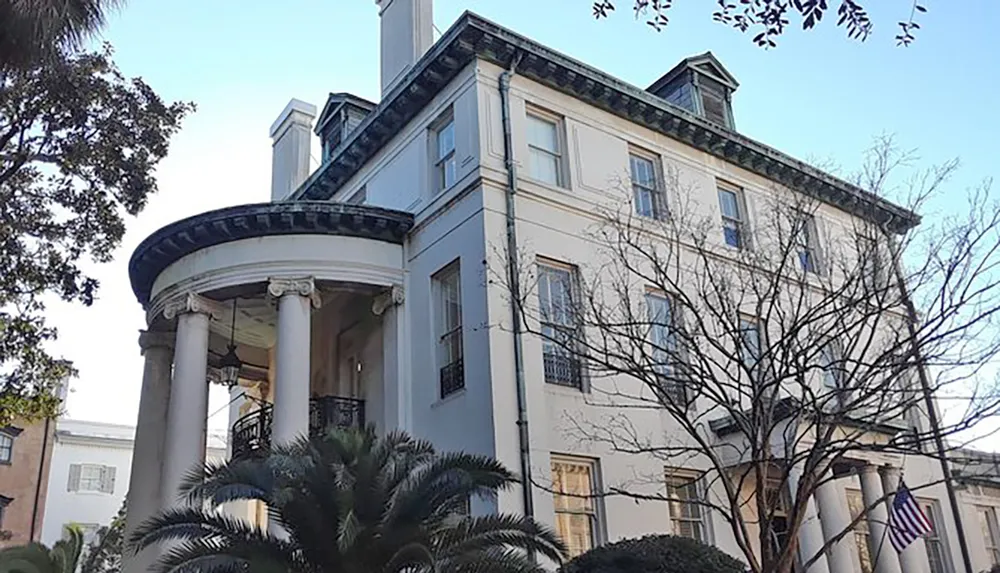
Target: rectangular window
{"x":6,"y":448}
{"x":576,"y":508}
{"x":445,"y":166}
{"x":856,"y":505}
{"x":732,"y":207}
{"x":807,"y":243}
{"x":91,"y":477}
{"x":991,"y":533}
{"x":89,"y":531}
{"x":663,"y":338}
{"x":4,"y":502}
{"x":359,"y":197}
{"x":750,"y":344}
{"x":449,"y":330}
{"x":686,"y":509}
{"x":834,"y":373}
{"x":559,"y":325}
{"x":646,"y":192}
{"x":545,"y":153}
{"x":874,"y":273}
{"x":936,"y":553}
{"x":778,"y":535}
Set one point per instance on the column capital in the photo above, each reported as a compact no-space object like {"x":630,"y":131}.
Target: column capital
{"x":298,"y":286}
{"x":156,"y":339}
{"x":393,"y":296}
{"x":192,"y":303}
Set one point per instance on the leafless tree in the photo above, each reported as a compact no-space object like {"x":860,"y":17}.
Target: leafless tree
{"x":781,"y":359}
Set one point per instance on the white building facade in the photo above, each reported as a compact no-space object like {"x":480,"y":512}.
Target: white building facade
{"x":363,"y":294}
{"x":91,"y":465}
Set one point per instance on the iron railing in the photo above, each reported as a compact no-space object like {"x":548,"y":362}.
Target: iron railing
{"x":452,"y":378}
{"x":252,"y":433}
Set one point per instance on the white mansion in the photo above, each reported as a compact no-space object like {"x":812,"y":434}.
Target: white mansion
{"x":361,"y":293}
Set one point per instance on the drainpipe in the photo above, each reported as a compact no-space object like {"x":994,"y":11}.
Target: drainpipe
{"x":38,"y":482}
{"x":513,"y":277}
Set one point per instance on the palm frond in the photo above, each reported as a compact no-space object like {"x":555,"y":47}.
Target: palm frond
{"x":495,"y":561}
{"x":492,"y":532}
{"x":210,"y":556}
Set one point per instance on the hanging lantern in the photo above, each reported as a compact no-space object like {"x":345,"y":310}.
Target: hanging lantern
{"x":231,"y":363}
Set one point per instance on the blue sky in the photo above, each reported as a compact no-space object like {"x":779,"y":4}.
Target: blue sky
{"x":818,"y":95}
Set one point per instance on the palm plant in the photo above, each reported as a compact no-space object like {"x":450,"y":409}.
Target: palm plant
{"x":33,"y":30}
{"x":349,"y":502}
{"x":36,"y":558}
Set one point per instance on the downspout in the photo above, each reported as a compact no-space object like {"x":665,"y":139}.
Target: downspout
{"x":513,"y":277}
{"x":38,"y":481}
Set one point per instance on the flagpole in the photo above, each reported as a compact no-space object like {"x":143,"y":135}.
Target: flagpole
{"x":911,"y":321}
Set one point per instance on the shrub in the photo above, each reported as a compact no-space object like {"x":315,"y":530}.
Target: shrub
{"x":654,"y":554}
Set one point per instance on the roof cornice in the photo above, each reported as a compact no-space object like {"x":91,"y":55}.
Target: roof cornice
{"x":475,"y":37}
{"x":188,"y":235}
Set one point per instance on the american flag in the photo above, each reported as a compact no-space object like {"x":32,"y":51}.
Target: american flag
{"x":906,"y":521}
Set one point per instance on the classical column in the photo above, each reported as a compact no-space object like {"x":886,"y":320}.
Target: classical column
{"x":395,"y":368}
{"x":187,"y":415}
{"x":296,"y":297}
{"x":835,"y":520}
{"x":913,"y":559}
{"x":144,"y":481}
{"x":811,"y":531}
{"x":881,"y":548}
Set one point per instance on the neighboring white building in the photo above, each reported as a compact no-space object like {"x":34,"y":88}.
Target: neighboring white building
{"x":91,"y":465}
{"x":361,"y":293}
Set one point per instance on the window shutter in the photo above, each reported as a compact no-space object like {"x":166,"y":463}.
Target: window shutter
{"x":74,"y":478}
{"x":108,"y":479}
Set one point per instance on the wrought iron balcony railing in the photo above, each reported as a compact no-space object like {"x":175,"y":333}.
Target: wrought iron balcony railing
{"x":252,"y":432}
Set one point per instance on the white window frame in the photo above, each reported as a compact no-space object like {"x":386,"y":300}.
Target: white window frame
{"x":991,"y":532}
{"x":359,"y":197}
{"x":445,"y":160}
{"x":656,"y":208}
{"x":738,"y":224}
{"x":449,"y":277}
{"x":595,"y":511}
{"x":807,"y":243}
{"x":6,"y":448}
{"x":662,"y":336}
{"x":748,"y":323}
{"x":558,"y":155}
{"x":677,"y":478}
{"x":566,"y":325}
{"x":937,"y":536}
{"x":104,"y":478}
{"x":4,"y":502}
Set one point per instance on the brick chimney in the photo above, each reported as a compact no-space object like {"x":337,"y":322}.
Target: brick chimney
{"x":407,"y":32}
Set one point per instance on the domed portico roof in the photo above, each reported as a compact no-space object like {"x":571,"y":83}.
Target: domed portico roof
{"x":259,"y":220}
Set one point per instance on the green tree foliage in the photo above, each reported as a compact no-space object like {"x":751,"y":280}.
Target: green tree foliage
{"x":654,"y":554}
{"x":79,"y":143}
{"x":350,"y":502}
{"x":768,"y":19}
{"x":36,"y":558}
{"x":35,"y":31}
{"x":104,"y":555}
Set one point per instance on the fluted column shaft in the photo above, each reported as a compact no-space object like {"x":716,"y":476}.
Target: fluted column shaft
{"x":913,"y":559}
{"x":881,"y":548}
{"x":811,"y":531}
{"x":144,"y":497}
{"x":296,"y":297}
{"x":835,"y":520}
{"x":187,"y":415}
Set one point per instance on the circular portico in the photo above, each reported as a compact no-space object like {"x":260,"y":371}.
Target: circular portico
{"x":306,"y":294}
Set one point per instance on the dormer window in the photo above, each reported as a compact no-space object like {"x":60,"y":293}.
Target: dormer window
{"x":701,"y":85}
{"x":341,"y":115}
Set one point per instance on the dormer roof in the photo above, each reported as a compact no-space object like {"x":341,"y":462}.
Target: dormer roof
{"x":705,"y":63}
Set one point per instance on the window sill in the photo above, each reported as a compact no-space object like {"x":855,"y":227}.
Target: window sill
{"x":567,"y":390}
{"x":93,"y":493}
{"x":545,"y":184}
{"x":449,"y":398}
